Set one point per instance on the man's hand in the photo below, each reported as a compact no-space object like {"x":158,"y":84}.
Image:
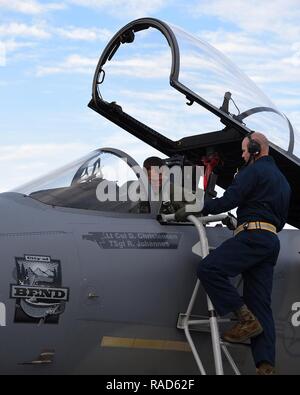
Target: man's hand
{"x":230,"y":221}
{"x":181,"y":215}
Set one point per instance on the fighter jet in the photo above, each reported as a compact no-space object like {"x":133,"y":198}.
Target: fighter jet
{"x":95,"y":286}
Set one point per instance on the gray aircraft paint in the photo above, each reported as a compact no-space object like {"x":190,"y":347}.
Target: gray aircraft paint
{"x":122,"y":293}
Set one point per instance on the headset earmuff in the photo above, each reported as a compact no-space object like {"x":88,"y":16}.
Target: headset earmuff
{"x":254,"y":147}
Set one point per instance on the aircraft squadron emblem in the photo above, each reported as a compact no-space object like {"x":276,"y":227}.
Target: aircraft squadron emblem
{"x":38,"y":293}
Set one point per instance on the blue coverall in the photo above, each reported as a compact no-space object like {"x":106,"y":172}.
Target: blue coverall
{"x":261,"y":193}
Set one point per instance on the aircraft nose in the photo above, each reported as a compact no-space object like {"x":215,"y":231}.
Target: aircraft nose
{"x":20,"y":213}
{"x":13,"y":213}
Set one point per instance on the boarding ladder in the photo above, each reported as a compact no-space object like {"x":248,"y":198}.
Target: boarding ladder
{"x":185,"y":321}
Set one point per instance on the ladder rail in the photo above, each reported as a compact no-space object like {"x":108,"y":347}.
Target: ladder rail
{"x":230,"y":360}
{"x":217,"y":345}
{"x":215,"y":335}
{"x":193,"y":348}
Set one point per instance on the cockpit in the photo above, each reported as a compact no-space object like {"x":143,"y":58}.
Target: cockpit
{"x":109,"y":180}
{"x":99,"y":181}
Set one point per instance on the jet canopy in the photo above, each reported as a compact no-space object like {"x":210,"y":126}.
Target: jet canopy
{"x":99,"y":181}
{"x":174,"y":91}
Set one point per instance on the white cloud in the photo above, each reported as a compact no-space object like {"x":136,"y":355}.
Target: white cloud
{"x":138,"y":67}
{"x":143,"y":67}
{"x":134,"y":147}
{"x":288,"y":102}
{"x":2,"y":55}
{"x":166,"y":112}
{"x":13,"y":45}
{"x":26,"y":162}
{"x":293,"y":60}
{"x":21,"y":29}
{"x":294,"y":117}
{"x":121,"y":8}
{"x":268,"y":59}
{"x":279,"y":16}
{"x":78,"y":33}
{"x":31,"y":7}
{"x":72,"y":64}
{"x":271,"y":72}
{"x":42,"y":31}
{"x":152,"y":97}
{"x":241,"y":44}
{"x":40,"y":151}
{"x":269,"y":64}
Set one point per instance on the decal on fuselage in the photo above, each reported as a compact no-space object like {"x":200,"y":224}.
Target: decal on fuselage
{"x":134,"y":240}
{"x":39,"y":294}
{"x":2,"y":314}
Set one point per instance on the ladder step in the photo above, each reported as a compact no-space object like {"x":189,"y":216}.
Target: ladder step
{"x":199,"y":323}
{"x":228,"y":344}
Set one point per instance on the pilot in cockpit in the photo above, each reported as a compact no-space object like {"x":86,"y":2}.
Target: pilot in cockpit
{"x":152,"y":184}
{"x":153,"y":165}
{"x":164,"y":186}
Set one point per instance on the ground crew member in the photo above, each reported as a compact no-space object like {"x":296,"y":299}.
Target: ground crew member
{"x":262,"y":195}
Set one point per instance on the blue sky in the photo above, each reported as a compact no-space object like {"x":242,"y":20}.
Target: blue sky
{"x":49,"y":50}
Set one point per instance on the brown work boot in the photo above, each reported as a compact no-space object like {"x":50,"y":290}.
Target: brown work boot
{"x":265,"y":369}
{"x":247,"y":326}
